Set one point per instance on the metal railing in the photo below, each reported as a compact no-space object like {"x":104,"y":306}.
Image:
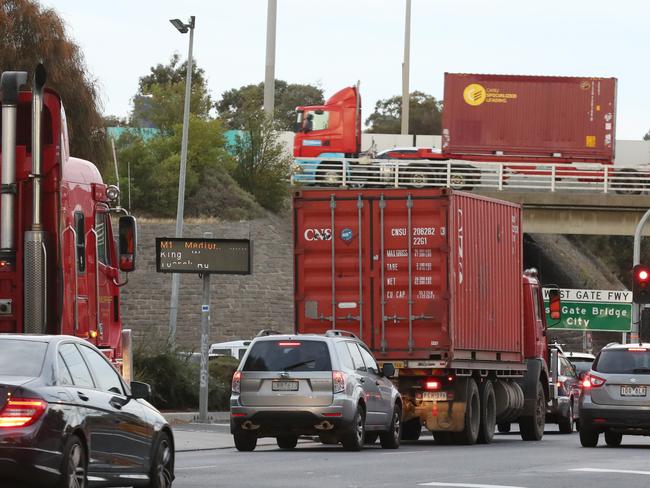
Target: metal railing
{"x":464,"y":175}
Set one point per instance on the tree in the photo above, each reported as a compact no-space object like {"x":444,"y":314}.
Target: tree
{"x":262,"y":164}
{"x":425,"y":115}
{"x":29,"y":34}
{"x":236,"y":104}
{"x":160,"y":98}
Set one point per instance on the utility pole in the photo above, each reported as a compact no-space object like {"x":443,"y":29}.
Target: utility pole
{"x":405,"y":69}
{"x":636,"y":307}
{"x":269,"y":78}
{"x":173,"y":307}
{"x":205,"y":335}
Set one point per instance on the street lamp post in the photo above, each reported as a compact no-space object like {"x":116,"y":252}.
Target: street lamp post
{"x":173,"y":308}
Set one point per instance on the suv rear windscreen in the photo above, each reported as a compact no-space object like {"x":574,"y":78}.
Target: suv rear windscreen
{"x":21,"y":358}
{"x":289,"y":355}
{"x":623,"y":361}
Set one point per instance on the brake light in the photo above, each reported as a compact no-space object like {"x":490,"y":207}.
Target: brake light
{"x":288,"y":344}
{"x":21,"y":412}
{"x":236,"y":382}
{"x":637,"y":349}
{"x":338,"y":381}
{"x":592,"y":381}
{"x":432,"y":385}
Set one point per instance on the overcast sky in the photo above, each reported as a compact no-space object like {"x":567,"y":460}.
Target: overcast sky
{"x":334,"y":43}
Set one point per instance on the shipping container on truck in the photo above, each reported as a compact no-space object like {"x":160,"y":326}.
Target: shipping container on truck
{"x":566,"y":118}
{"x":431,"y":280}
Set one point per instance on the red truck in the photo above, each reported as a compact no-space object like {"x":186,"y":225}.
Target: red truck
{"x":431,"y":280}
{"x":541,"y":121}
{"x":59,"y":264}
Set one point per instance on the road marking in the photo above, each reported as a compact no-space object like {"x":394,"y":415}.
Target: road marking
{"x":195,"y":467}
{"x":604,"y":470}
{"x":465,"y":485}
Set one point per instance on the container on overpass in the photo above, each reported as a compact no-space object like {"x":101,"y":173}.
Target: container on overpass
{"x":530,"y":116}
{"x":431,"y":280}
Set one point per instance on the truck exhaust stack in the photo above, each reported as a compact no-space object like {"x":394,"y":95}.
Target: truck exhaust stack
{"x":35,"y":260}
{"x":10,"y":83}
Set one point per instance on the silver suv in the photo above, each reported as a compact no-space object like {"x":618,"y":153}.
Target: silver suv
{"x":327,"y":385}
{"x":614,"y":396}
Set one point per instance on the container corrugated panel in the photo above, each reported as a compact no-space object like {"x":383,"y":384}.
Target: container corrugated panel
{"x":387,"y":265}
{"x":537,"y":116}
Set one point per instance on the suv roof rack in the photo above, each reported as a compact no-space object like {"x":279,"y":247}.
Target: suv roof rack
{"x":267,"y":332}
{"x":339,"y":333}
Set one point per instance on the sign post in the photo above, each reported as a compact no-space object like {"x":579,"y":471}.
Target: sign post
{"x":204,"y":257}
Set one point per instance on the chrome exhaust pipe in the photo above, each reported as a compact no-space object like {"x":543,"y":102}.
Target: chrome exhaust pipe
{"x":35,"y":259}
{"x":10,"y":83}
{"x":324,"y":425}
{"x":248,"y":425}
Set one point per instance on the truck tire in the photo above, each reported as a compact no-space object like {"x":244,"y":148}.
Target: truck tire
{"x":566,"y":423}
{"x":330,"y":173}
{"x":532,"y":426}
{"x":488,"y":413}
{"x":411,"y":429}
{"x":503,"y":427}
{"x":588,"y":436}
{"x":469,"y":434}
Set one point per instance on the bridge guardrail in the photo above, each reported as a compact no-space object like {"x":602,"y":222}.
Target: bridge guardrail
{"x":465,"y":175}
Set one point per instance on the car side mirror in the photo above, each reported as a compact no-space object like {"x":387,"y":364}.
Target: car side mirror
{"x":388,"y":370}
{"x":140,"y":390}
{"x":128,"y":243}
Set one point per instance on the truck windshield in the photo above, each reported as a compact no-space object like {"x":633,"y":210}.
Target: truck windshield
{"x":289,"y":355}
{"x":21,"y":358}
{"x":316,"y":119}
{"x":623,"y":361}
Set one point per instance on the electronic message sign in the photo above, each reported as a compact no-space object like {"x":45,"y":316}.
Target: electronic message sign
{"x":203,"y":256}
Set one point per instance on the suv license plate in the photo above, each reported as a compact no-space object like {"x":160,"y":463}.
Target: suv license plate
{"x":285,"y":386}
{"x":634,"y":391}
{"x":434,"y":396}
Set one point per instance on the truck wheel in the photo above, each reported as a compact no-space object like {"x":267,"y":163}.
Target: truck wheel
{"x":566,"y":424}
{"x":411,"y":430}
{"x":353,"y":438}
{"x":613,"y":439}
{"x":588,"y":436}
{"x":464,"y":178}
{"x":330,"y":173}
{"x":416,"y":177}
{"x":532,"y":426}
{"x":504,"y":427}
{"x":627,"y":182}
{"x":469,"y":434}
{"x":488,"y":413}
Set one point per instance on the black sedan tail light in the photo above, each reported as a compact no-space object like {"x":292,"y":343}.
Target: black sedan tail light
{"x":21,"y":412}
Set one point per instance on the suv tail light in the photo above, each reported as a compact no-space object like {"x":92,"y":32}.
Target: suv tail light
{"x":592,"y":381}
{"x":21,"y":412}
{"x":338,"y":381}
{"x":236,"y":382}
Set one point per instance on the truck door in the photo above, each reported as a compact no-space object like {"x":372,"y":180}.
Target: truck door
{"x":106,"y":312}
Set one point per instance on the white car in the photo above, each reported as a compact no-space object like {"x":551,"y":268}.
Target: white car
{"x":235,"y":349}
{"x":581,"y":361}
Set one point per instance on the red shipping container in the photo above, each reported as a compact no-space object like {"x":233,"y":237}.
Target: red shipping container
{"x":417,"y":274}
{"x":536,"y":116}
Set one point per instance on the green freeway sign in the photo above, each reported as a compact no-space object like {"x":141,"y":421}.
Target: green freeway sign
{"x":594,"y":310}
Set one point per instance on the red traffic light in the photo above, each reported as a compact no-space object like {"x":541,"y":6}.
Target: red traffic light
{"x":642,"y":275}
{"x":641,"y":284}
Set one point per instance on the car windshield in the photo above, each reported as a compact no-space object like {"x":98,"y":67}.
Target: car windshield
{"x":21,"y":358}
{"x":582,"y":365}
{"x":289,"y":355}
{"x":623,"y":361}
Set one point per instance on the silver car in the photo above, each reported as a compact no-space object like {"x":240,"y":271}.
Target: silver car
{"x":327,"y":385}
{"x":614,"y":397}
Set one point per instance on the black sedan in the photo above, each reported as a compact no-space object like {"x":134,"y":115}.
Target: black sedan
{"x":68,"y":419}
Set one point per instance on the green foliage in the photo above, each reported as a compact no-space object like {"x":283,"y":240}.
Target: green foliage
{"x":235,"y":104}
{"x":425,"y":115}
{"x":30,"y":33}
{"x":174,"y":378}
{"x":262,"y":165}
{"x":161,"y":96}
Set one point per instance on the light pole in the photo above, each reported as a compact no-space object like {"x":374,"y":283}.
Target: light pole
{"x":406,"y":68}
{"x":173,"y":308}
{"x":269,"y":74}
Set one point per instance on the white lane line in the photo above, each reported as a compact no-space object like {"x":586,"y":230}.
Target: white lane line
{"x":465,"y":485}
{"x":604,"y":470}
{"x":195,"y":467}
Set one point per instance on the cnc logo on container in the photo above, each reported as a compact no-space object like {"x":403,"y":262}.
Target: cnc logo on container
{"x":475,"y":94}
{"x":318,"y":234}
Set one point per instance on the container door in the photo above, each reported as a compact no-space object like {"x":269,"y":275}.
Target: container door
{"x":410,"y":254}
{"x":332,"y":263}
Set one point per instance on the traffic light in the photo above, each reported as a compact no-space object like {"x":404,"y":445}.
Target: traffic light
{"x":641,"y":286}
